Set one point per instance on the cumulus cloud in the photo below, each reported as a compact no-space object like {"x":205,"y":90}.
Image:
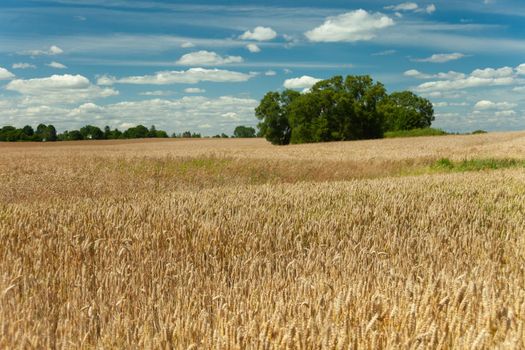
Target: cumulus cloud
{"x":190,"y":76}
{"x":187,"y":45}
{"x":521,"y":69}
{"x":59,"y":88}
{"x":270,"y":73}
{"x":259,"y":34}
{"x":430,"y":9}
{"x":194,"y":91}
{"x":23,"y":66}
{"x":207,"y":58}
{"x":358,"y":25}
{"x":253,"y":48}
{"x":509,"y":113}
{"x":52,"y":51}
{"x":156,"y":93}
{"x":406,"y":6}
{"x":478,"y":78}
{"x":5,"y":74}
{"x":489,"y":105}
{"x":441,"y":58}
{"x":304,"y":82}
{"x":413,"y":73}
{"x":57,"y":65}
{"x":412,"y":7}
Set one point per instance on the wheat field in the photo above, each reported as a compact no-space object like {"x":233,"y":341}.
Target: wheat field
{"x":237,"y":244}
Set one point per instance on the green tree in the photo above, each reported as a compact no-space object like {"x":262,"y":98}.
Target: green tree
{"x":406,"y":111}
{"x":273,"y":113}
{"x":244,"y":132}
{"x":107,"y":132}
{"x":90,"y":132}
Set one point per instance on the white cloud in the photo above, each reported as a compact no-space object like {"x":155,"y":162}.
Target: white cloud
{"x":521,"y":69}
{"x":187,"y":45}
{"x":491,"y":73}
{"x":406,"y":6}
{"x":57,"y":65}
{"x":413,"y":73}
{"x":441,"y":58}
{"x":253,"y":48}
{"x":509,"y":113}
{"x":430,"y":9}
{"x":207,"y":58}
{"x":489,"y":105}
{"x":411,"y":6}
{"x":59,"y":89}
{"x":304,"y":82}
{"x":478,"y":78}
{"x":5,"y":74}
{"x":270,"y":73}
{"x":352,"y":26}
{"x":52,"y":51}
{"x":259,"y":34}
{"x":190,"y":76}
{"x":23,"y":66}
{"x":156,"y":93}
{"x":194,"y":91}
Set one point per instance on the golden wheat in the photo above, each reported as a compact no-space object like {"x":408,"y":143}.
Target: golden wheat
{"x":236,"y":244}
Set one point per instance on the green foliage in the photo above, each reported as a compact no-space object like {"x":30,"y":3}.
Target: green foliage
{"x":477,"y":132}
{"x":89,"y":132}
{"x":45,"y":133}
{"x":415,"y":133}
{"x":340,"y":109}
{"x":137,"y":132}
{"x":406,"y":111}
{"x":244,"y":132}
{"x":273,"y":112}
{"x":476,"y":164}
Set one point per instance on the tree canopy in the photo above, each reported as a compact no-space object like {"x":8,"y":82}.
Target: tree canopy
{"x":339,"y":109}
{"x":244,"y":132}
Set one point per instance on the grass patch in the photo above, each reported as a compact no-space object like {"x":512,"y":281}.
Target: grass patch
{"x":415,"y":133}
{"x":445,"y":164}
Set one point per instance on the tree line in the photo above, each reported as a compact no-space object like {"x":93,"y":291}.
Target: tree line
{"x":340,"y":109}
{"x":48,"y":133}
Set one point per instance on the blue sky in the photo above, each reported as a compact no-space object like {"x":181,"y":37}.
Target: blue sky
{"x":204,"y":65}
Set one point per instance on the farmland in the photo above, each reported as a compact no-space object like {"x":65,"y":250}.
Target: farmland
{"x":241,"y":244}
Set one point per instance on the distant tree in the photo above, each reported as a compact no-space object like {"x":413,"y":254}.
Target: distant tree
{"x":28,"y":130}
{"x":273,"y":113}
{"x":45,"y":133}
{"x":138,"y":132}
{"x":161,"y":134}
{"x":152,"y":132}
{"x":107,"y":132}
{"x":339,"y":109}
{"x":244,"y":132}
{"x":90,"y":132}
{"x":405,"y":111}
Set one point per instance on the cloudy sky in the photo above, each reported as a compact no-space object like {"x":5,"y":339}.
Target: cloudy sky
{"x":204,"y":65}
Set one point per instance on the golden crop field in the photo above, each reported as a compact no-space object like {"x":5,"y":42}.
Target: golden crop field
{"x":237,"y":244}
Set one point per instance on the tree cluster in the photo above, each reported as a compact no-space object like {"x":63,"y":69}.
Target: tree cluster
{"x":89,"y":132}
{"x":339,"y":109}
{"x":244,"y":132}
{"x":27,"y":133}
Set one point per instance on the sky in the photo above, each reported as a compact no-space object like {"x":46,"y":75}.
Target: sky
{"x":204,"y":65}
